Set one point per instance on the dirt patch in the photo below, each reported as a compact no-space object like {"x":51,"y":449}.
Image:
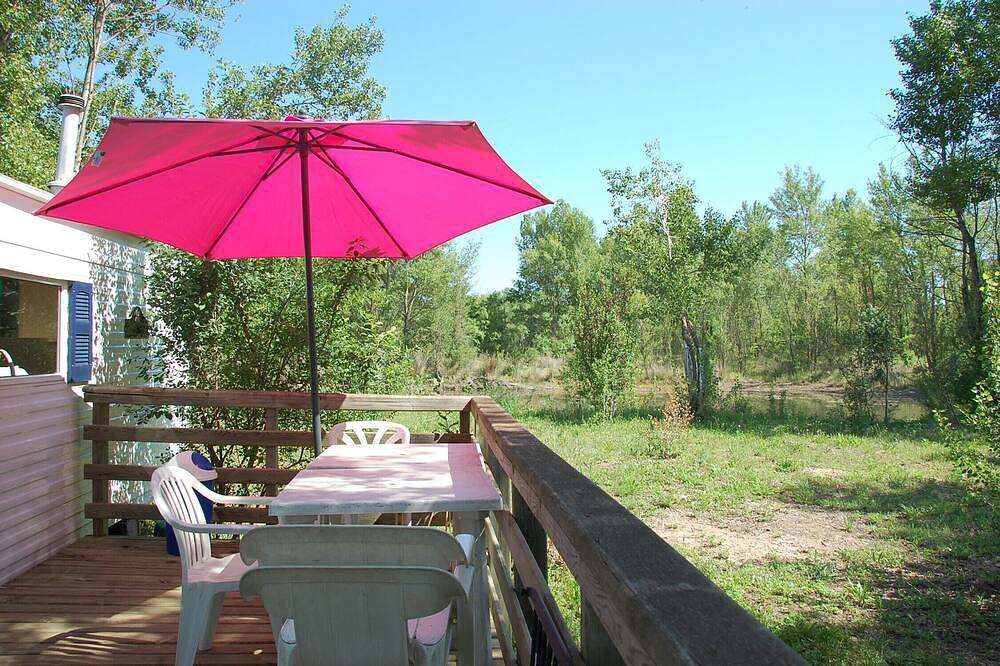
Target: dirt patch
{"x":824,"y":472}
{"x":772,"y":530}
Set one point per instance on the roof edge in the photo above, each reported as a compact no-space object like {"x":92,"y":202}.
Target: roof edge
{"x":24,"y":189}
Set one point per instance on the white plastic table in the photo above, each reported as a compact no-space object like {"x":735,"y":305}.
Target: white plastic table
{"x":357,"y":480}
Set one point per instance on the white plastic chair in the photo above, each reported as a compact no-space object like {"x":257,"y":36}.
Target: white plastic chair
{"x":369,"y":433}
{"x":204,"y":579}
{"x":355,"y":616}
{"x":377,"y":545}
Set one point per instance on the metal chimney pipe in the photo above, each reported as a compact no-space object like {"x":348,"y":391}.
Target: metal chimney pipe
{"x":72,"y":108}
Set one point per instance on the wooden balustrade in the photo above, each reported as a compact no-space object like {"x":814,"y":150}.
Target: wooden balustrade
{"x":642,"y":602}
{"x":103,"y":436}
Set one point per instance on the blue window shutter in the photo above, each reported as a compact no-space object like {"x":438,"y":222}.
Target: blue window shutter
{"x":81,"y":332}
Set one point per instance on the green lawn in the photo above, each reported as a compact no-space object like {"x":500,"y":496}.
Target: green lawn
{"x":894,"y":561}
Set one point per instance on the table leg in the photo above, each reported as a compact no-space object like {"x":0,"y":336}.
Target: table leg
{"x":474,"y":523}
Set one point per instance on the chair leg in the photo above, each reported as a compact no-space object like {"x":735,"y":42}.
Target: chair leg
{"x":211,"y":620}
{"x":465,"y":634}
{"x":286,"y":654}
{"x":194,"y":612}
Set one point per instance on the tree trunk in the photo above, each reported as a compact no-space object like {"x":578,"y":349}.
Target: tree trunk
{"x":885,"y":393}
{"x":694,"y":366}
{"x":100,"y":17}
{"x":972,"y":279}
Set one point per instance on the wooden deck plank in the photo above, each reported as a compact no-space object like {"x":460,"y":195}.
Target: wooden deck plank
{"x":114,"y":600}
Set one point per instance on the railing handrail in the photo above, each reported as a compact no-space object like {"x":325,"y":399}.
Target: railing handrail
{"x":144,"y":395}
{"x":655,"y":606}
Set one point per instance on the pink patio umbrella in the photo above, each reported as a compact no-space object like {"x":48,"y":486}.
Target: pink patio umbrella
{"x":229,"y":189}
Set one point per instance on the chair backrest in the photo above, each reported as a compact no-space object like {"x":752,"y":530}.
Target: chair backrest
{"x":369,"y":433}
{"x":175,"y":496}
{"x":351,"y":545}
{"x":352,"y":615}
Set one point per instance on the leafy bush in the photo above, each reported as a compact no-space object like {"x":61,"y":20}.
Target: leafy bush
{"x":242,"y":325}
{"x":876,"y":348}
{"x":978,"y":460}
{"x":601,"y":367}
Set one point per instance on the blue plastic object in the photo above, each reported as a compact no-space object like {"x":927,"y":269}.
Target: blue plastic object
{"x":203,"y":470}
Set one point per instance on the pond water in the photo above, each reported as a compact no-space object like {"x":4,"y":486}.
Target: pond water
{"x":901,"y":408}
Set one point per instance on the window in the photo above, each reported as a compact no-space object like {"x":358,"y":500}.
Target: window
{"x":29,"y":324}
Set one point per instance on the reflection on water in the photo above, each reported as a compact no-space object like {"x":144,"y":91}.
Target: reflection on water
{"x":902,"y":409}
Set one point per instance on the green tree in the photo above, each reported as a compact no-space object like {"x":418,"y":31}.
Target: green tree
{"x":798,"y":207}
{"x":500,"y":320}
{"x":112,"y":52}
{"x":947,"y":115}
{"x":601,"y":367}
{"x":428,"y":298}
{"x":983,"y":470}
{"x":978,"y":458}
{"x":681,"y":261}
{"x":556,"y":246}
{"x":27,"y":134}
{"x":108,"y":51}
{"x":327,"y":76}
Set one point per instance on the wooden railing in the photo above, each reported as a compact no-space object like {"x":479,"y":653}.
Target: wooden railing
{"x":103,"y":435}
{"x":642,"y":602}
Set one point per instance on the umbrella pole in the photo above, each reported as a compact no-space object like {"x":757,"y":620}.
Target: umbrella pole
{"x":317,"y":428}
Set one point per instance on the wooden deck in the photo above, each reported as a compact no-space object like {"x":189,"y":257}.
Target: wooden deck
{"x":115,"y":600}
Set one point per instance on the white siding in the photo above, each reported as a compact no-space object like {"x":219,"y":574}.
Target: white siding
{"x":46,"y":442}
{"x":42,"y":491}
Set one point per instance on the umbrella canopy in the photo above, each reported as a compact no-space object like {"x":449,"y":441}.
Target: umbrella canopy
{"x":229,"y":189}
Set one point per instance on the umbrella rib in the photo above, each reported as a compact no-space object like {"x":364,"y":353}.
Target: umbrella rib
{"x":274,"y":167}
{"x":327,"y":160}
{"x":150,"y":174}
{"x":441,"y":165}
{"x":244,"y":151}
{"x":273,"y":133}
{"x":246,"y":199}
{"x":365,"y":149}
{"x":327,"y":132}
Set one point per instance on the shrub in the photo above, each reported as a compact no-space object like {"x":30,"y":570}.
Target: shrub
{"x":601,"y":367}
{"x":978,"y":460}
{"x":876,"y":349}
{"x":675,"y":419}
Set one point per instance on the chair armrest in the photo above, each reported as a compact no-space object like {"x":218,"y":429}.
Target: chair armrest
{"x":232,"y":499}
{"x":213,"y":528}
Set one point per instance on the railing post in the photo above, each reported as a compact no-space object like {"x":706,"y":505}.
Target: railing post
{"x":465,"y":421}
{"x":537,"y":540}
{"x":101,"y":488}
{"x":595,"y":644}
{"x":271,"y":452}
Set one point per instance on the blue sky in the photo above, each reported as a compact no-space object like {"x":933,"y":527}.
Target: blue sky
{"x":733,"y":90}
